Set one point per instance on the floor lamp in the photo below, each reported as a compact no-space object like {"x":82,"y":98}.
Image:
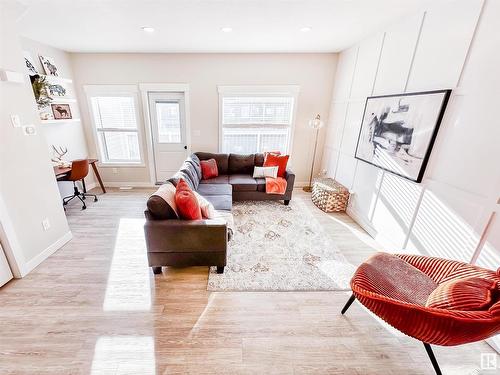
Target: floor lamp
{"x":316,"y":124}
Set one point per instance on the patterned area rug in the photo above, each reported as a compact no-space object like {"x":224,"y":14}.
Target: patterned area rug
{"x":280,"y":248}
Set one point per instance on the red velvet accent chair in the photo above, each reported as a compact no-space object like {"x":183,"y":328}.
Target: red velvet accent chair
{"x":396,"y":288}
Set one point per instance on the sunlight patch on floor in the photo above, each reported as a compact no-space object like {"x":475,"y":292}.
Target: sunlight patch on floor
{"x":124,"y":355}
{"x":128,"y":287}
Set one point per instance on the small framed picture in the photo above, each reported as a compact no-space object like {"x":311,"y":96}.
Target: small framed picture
{"x":30,"y":63}
{"x":61,"y":111}
{"x":49,"y":66}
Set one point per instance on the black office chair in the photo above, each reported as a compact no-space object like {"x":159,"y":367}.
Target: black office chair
{"x":79,"y":170}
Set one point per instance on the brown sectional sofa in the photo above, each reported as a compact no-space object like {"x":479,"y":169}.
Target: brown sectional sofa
{"x":174,"y":242}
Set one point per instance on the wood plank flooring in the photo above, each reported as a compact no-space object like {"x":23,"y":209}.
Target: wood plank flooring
{"x":95,"y":308}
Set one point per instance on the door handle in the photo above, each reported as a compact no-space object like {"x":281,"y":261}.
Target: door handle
{"x":185,"y":147}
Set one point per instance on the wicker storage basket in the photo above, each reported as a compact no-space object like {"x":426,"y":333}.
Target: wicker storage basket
{"x":329,"y":195}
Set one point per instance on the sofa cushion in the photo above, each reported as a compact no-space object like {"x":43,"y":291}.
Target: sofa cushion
{"x":181,"y":175}
{"x":221,"y":179}
{"x":195,"y":161}
{"x":221,"y":159}
{"x":221,"y":202}
{"x":209,"y":169}
{"x":243,"y":182}
{"x":470,"y":294}
{"x":187,"y":203}
{"x":189,"y":169}
{"x":259,"y":160}
{"x":161,"y":204}
{"x":215,"y":189}
{"x":241,"y":164}
{"x":261,"y":184}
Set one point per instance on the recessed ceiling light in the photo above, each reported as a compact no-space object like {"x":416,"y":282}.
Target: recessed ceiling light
{"x":147,"y":29}
{"x":226,"y":29}
{"x":305,"y":29}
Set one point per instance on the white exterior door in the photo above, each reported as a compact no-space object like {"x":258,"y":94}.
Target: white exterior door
{"x":5,"y":273}
{"x":167,"y":111}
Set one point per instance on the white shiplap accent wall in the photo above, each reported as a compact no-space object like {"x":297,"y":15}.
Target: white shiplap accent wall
{"x":455,"y":211}
{"x":445,"y":214}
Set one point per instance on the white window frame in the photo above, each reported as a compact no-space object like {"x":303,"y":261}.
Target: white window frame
{"x":259,"y":90}
{"x":116,"y":90}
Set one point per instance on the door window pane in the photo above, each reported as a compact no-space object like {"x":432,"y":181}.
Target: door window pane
{"x":169,"y":122}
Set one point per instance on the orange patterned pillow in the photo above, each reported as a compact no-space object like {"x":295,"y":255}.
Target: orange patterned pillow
{"x":273,"y":160}
{"x":470,"y":294}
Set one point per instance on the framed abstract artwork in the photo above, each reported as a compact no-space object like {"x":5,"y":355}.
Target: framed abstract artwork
{"x":398,"y":131}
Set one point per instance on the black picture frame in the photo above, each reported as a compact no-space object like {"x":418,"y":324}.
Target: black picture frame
{"x":432,"y":139}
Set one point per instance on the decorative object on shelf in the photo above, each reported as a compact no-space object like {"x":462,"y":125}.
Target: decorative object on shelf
{"x":30,"y":63}
{"x":58,"y":156}
{"x":49,"y":66}
{"x":41,"y":91}
{"x":328,"y":195}
{"x":46,"y":114}
{"x":56,"y":89}
{"x":315,"y":124}
{"x":61,"y":111}
{"x":398,"y":131}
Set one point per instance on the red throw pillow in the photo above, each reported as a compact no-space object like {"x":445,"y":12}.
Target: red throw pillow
{"x":186,"y":202}
{"x":209,"y":169}
{"x":470,"y":294}
{"x":273,"y":160}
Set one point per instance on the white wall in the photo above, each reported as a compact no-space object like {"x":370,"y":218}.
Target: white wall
{"x":438,"y":48}
{"x":314,"y":74}
{"x":66,"y":134}
{"x":28,"y":189}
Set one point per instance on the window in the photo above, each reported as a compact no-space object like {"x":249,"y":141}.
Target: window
{"x":256,"y":119}
{"x":114,"y":116}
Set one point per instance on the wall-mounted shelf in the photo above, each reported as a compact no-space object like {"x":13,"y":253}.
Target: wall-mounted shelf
{"x":62,"y":99}
{"x":59,"y":121}
{"x":56,"y":78}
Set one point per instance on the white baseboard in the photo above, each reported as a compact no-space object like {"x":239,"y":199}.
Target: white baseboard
{"x":33,"y":263}
{"x":129,"y":184}
{"x":361,"y":220}
{"x":300,"y":184}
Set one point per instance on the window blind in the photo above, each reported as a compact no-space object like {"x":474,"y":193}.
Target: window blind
{"x":254,"y":110}
{"x":114,"y":112}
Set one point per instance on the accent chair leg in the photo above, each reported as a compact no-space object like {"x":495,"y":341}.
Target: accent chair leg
{"x":156,"y":270}
{"x":434,"y":362}
{"x":220,"y":269}
{"x":349,"y":303}
{"x":287,"y":202}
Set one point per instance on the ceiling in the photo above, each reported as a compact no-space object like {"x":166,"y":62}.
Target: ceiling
{"x":195,"y":25}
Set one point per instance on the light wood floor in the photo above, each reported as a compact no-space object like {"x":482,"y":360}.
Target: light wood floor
{"x":95,"y":308}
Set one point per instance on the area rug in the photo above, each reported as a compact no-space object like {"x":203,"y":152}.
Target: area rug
{"x":280,"y":248}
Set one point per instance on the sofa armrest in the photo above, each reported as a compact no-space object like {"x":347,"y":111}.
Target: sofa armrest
{"x":290,"y":179}
{"x":185,"y":235}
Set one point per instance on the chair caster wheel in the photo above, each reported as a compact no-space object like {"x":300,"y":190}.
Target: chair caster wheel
{"x":95,"y":199}
{"x":84,"y":207}
{"x":83,"y":197}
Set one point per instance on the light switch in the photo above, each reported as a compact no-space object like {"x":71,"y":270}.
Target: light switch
{"x":15,"y":120}
{"x":29,"y":129}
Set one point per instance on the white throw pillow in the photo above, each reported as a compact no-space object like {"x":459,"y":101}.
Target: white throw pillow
{"x":261,"y":172}
{"x":207,"y":208}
